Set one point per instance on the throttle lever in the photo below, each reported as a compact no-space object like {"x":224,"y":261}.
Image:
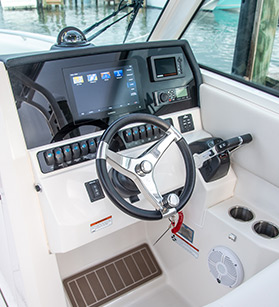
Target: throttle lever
{"x":227,"y":145}
{"x":232,"y":143}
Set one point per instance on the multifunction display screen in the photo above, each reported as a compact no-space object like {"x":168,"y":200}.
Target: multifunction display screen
{"x":101,"y":90}
{"x":165,"y":67}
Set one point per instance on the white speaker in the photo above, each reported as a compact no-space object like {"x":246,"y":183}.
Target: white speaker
{"x":225,"y":266}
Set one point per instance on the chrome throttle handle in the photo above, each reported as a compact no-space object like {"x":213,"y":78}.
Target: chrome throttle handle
{"x":233,"y":143}
{"x":227,"y":145}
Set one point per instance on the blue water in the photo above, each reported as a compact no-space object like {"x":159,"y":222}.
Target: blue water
{"x":212,"y":37}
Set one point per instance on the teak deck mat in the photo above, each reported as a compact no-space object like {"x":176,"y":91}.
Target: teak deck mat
{"x":112,"y":278}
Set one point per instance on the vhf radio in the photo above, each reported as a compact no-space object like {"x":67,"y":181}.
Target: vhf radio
{"x":171,"y":95}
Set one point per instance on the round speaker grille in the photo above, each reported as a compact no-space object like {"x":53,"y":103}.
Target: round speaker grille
{"x":225,"y":266}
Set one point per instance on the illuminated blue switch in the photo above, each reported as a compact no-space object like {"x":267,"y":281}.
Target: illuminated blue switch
{"x":92,"y":145}
{"x":58,"y":155}
{"x":142,"y":131}
{"x":84,"y":148}
{"x":75,"y":150}
{"x":128,"y":135}
{"x":49,"y":157}
{"x":67,"y":153}
{"x":135,"y":133}
{"x":149,"y":131}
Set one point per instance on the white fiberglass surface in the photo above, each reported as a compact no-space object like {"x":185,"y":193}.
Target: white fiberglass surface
{"x":17,"y":41}
{"x":158,"y":294}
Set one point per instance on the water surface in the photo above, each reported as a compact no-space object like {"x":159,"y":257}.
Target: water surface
{"x":80,"y":14}
{"x":212,"y":35}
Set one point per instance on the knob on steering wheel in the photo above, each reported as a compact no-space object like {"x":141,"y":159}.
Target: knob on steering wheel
{"x":141,"y":169}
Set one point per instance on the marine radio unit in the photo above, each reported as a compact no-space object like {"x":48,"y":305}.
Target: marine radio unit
{"x":171,"y":95}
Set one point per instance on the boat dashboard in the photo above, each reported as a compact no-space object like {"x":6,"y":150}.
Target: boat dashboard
{"x":66,"y":99}
{"x":95,"y":86}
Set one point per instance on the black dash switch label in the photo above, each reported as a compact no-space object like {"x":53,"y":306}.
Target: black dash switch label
{"x":94,"y":190}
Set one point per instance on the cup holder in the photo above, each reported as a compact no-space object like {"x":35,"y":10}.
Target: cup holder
{"x":266,"y":229}
{"x":241,"y":214}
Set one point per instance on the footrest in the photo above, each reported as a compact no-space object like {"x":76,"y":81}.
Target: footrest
{"x":112,"y":278}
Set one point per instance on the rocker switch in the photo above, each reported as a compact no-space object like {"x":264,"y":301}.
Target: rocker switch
{"x":58,"y":154}
{"x":84,"y":148}
{"x":149,"y":131}
{"x":75,"y":150}
{"x":128,"y":135}
{"x":135,"y":134}
{"x":92,"y":145}
{"x":49,"y":157}
{"x":142,"y":131}
{"x":67,"y":153}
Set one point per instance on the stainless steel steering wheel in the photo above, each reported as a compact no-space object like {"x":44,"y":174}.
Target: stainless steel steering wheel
{"x":141,"y":169}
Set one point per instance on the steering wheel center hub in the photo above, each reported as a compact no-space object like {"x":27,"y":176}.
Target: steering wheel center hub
{"x":145,"y":167}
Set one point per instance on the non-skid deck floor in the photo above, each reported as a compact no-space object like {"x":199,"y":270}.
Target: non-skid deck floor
{"x":112,"y":278}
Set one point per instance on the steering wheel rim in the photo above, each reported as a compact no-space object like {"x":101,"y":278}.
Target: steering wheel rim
{"x":102,"y":172}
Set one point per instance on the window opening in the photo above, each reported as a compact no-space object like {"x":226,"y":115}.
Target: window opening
{"x":237,"y":37}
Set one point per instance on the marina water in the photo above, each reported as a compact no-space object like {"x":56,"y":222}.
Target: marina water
{"x":211,"y":34}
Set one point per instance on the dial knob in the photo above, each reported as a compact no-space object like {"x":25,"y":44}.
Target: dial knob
{"x":164,"y":97}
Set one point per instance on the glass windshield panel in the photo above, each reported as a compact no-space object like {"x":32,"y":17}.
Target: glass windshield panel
{"x":50,"y":18}
{"x":237,"y":37}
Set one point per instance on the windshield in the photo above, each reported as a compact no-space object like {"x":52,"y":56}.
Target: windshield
{"x":49,"y":19}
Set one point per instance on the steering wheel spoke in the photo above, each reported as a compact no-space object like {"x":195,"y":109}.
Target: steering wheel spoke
{"x":150,"y":191}
{"x":118,"y":161}
{"x":155,"y":152}
{"x":146,"y":184}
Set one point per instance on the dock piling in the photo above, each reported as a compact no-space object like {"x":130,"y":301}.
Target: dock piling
{"x":265,"y":39}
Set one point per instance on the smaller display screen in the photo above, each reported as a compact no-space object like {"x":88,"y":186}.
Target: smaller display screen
{"x":101,"y":90}
{"x":181,"y":92}
{"x":165,"y":67}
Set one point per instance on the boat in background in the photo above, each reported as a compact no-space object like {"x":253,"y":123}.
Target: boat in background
{"x":228,"y":5}
{"x":212,"y":5}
